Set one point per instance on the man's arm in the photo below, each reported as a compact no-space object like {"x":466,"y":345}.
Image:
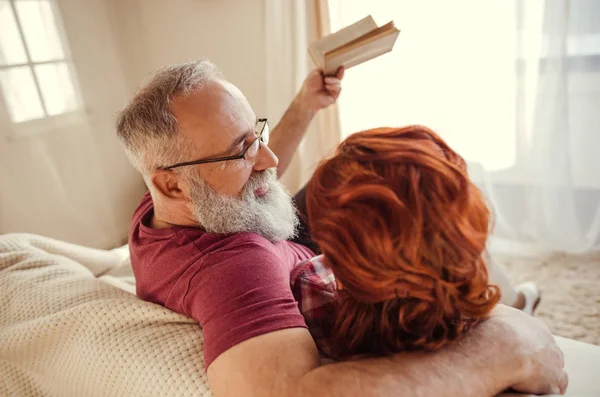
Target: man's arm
{"x":510,"y":349}
{"x":317,"y":92}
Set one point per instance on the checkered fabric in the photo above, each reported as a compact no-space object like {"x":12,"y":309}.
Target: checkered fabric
{"x":315,"y":290}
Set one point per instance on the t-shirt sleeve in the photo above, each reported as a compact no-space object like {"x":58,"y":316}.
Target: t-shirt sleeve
{"x":238,"y":294}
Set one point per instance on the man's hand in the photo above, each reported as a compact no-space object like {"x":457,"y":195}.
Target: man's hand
{"x":541,"y":359}
{"x":320,"y":91}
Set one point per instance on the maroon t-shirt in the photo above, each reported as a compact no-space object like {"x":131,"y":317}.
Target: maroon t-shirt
{"x":236,"y":286}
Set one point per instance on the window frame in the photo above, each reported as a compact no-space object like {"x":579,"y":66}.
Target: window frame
{"x":47,"y":122}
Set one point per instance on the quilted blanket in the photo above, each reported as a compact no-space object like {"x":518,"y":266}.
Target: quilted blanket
{"x":71,"y":325}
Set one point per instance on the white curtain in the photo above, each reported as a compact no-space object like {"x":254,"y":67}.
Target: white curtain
{"x":290,"y":27}
{"x":514,"y":87}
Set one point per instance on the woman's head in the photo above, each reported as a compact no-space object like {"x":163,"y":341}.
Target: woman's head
{"x":404,"y":230}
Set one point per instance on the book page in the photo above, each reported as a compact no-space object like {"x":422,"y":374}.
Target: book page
{"x":360,"y":52}
{"x":372,"y":35}
{"x":319,"y":48}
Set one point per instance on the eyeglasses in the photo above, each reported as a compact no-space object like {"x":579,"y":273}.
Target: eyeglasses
{"x":249,"y":153}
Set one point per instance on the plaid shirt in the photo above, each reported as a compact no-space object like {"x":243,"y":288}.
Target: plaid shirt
{"x":314,"y":288}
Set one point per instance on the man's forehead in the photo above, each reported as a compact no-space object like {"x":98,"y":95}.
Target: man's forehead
{"x":217,"y":100}
{"x":218,"y":112}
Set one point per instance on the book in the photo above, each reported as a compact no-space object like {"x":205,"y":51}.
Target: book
{"x":353,"y":45}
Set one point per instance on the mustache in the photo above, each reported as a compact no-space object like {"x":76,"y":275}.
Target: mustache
{"x":258,"y":179}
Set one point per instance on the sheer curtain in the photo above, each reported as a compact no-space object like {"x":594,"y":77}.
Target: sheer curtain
{"x":514,"y":87}
{"x":291,"y":26}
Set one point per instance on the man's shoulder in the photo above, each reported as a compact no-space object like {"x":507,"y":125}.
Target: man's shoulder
{"x":244,"y":249}
{"x":242,"y":241}
{"x":166,"y":266}
{"x":257,"y":251}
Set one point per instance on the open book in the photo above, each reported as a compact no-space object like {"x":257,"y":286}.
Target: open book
{"x":353,"y":45}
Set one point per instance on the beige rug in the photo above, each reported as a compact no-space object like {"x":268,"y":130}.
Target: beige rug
{"x":570,"y":287}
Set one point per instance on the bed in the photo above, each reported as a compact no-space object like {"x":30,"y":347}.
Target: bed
{"x":71,"y":325}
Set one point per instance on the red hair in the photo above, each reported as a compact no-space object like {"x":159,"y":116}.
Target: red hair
{"x":404,"y":231}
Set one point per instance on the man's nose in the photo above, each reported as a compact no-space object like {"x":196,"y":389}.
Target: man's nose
{"x":265,"y":158}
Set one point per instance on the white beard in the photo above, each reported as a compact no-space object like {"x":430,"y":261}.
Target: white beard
{"x":273,"y":215}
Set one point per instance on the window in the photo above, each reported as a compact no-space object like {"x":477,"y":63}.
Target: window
{"x":36,"y":76}
{"x":440,"y":74}
{"x":471,"y":71}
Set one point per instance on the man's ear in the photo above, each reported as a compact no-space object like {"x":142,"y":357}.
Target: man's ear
{"x":170,"y":184}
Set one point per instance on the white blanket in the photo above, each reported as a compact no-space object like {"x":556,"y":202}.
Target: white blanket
{"x":70,"y":325}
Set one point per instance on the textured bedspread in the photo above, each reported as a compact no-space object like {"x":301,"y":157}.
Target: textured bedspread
{"x":70,"y":325}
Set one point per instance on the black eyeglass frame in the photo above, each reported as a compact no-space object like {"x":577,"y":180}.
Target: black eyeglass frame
{"x":226,"y":158}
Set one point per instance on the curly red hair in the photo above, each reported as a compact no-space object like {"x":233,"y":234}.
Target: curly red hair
{"x":404,"y":231}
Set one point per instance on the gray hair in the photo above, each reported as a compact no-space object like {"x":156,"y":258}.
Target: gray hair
{"x":147,"y":128}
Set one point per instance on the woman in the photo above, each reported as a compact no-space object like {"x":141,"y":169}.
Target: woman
{"x":403,"y":232}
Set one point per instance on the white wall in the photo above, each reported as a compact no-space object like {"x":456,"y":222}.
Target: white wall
{"x":155,"y":33}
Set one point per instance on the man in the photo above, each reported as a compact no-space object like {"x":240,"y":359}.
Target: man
{"x":210,"y":240}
